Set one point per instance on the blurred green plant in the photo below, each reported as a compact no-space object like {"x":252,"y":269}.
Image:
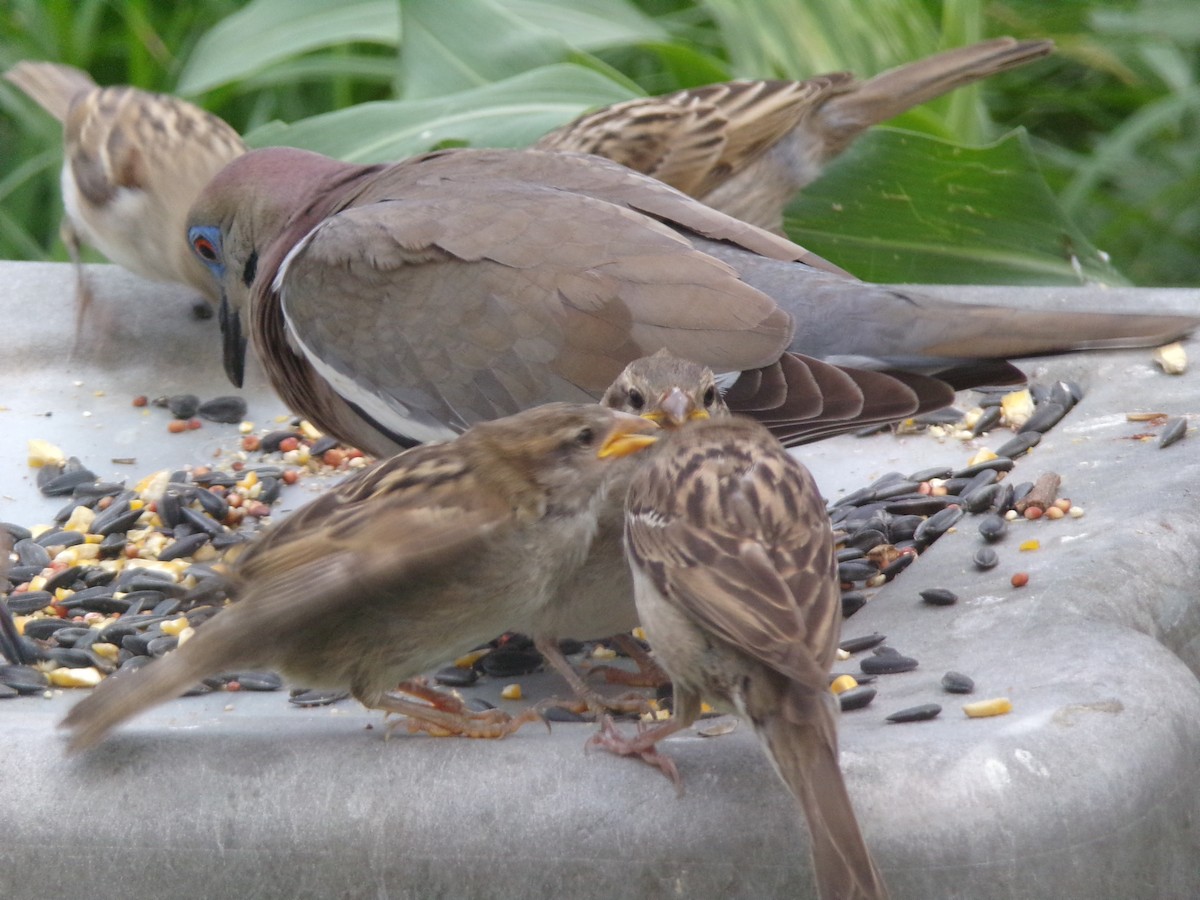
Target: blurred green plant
{"x":1111,"y":118}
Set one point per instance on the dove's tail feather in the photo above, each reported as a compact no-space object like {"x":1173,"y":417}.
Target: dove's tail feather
{"x":805,"y":756}
{"x":126,"y":694}
{"x":897,"y":90}
{"x":51,"y":85}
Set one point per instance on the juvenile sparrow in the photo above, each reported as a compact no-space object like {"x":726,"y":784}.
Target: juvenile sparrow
{"x":746,"y":147}
{"x":597,"y":601}
{"x":401,"y":567}
{"x":736,"y":583}
{"x":133,"y":164}
{"x":405,"y":302}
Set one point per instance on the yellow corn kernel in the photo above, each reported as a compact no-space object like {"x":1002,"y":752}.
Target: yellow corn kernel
{"x":1172,"y":358}
{"x":1033,"y":544}
{"x":309,"y":430}
{"x":468,"y":660}
{"x":843,"y":683}
{"x":108,"y":651}
{"x":511,"y":692}
{"x":186,"y":635}
{"x":40,"y":453}
{"x":997,"y":706}
{"x":602,"y":652}
{"x":80,"y":519}
{"x":984,"y":455}
{"x":639,"y":633}
{"x":1017,"y":407}
{"x":174,"y":626}
{"x":89,"y":677}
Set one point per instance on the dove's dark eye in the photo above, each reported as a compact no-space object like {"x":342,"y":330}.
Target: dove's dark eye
{"x":204,"y":248}
{"x":710,"y":396}
{"x":586,"y":437}
{"x":636,"y":400}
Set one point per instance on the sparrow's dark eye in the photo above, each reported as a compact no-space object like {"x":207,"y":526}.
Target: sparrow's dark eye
{"x":710,"y":396}
{"x":636,"y":400}
{"x":586,"y":437}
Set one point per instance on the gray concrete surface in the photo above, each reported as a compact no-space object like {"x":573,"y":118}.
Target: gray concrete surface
{"x":1087,"y":789}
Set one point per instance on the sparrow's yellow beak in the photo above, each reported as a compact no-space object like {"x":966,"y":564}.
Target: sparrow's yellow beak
{"x":676,"y":408}
{"x":629,"y":435}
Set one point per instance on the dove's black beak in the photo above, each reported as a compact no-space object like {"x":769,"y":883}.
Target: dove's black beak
{"x":233,"y":343}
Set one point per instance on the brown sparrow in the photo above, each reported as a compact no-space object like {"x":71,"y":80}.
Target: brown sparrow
{"x":597,"y":602}
{"x":405,"y":302}
{"x":401,"y":567}
{"x":134,"y":162}
{"x":736,"y":583}
{"x":746,"y":147}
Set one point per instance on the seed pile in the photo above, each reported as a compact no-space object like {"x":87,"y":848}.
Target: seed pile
{"x":126,"y":574}
{"x":884,"y":526}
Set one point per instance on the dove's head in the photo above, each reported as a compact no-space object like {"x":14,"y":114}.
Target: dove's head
{"x":666,"y":389}
{"x":244,"y":222}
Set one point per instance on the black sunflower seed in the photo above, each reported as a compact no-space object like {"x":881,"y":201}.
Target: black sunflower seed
{"x":857,"y":570}
{"x":1019,"y":445}
{"x":986,"y":558}
{"x":852,"y":602}
{"x":957,"y":683}
{"x":455,"y":676}
{"x":939,"y":596}
{"x":856,"y":698}
{"x":229,"y":410}
{"x":993,"y":527}
{"x":921,"y":713}
{"x":937,"y":525}
{"x":31,"y":553}
{"x":183,"y":406}
{"x":317,"y":697}
{"x":1175,"y":429}
{"x":1045,"y":417}
{"x":887,"y":664}
{"x":930,"y":474}
{"x":863,"y":642}
{"x":988,"y":420}
{"x":27,"y":602}
{"x":60,"y":539}
{"x":505,"y":662}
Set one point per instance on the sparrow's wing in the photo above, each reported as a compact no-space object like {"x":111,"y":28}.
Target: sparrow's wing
{"x":695,"y":139}
{"x":748,"y":556}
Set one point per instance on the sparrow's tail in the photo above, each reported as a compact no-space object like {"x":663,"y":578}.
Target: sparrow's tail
{"x":126,"y":694}
{"x":805,"y":756}
{"x":892,"y":92}
{"x":51,"y":85}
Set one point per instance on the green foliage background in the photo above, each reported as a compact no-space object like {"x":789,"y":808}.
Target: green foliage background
{"x":1018,"y":180}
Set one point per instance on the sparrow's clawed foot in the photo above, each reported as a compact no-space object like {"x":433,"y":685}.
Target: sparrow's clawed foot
{"x":643,"y":745}
{"x":443,"y":715}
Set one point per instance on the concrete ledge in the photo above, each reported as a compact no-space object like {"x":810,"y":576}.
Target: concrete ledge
{"x":1087,"y":789}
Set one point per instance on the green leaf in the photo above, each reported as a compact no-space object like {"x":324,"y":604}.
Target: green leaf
{"x":511,"y":113}
{"x":903,"y":207}
{"x":268,"y":31}
{"x":590,"y":24}
{"x":453,"y":47}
